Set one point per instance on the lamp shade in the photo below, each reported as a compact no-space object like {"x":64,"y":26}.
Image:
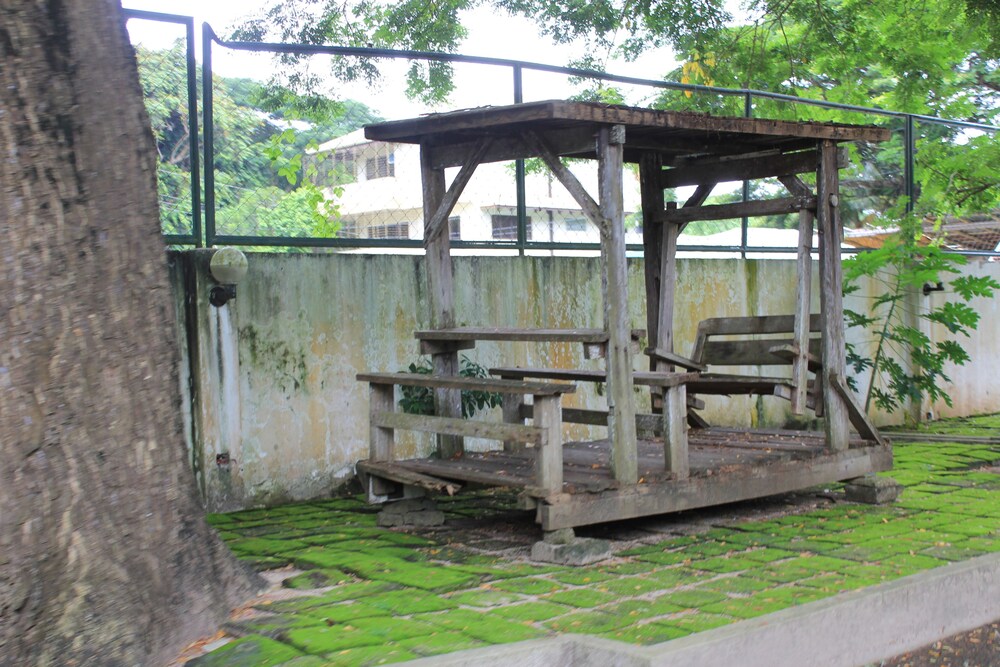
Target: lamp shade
{"x":228,"y":266}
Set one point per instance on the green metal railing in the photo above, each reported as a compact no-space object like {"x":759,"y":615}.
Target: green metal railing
{"x":749,"y":98}
{"x":195,"y":238}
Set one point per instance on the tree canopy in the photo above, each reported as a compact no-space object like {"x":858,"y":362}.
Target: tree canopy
{"x":939,"y":58}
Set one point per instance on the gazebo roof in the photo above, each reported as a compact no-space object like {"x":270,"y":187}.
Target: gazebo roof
{"x":568,"y":126}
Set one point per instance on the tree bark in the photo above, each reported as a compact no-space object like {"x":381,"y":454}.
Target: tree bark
{"x":105,"y":558}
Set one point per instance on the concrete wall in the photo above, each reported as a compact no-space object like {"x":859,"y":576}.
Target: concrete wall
{"x":272,"y":373}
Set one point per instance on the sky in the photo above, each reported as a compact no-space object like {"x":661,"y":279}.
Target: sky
{"x":490,"y":35}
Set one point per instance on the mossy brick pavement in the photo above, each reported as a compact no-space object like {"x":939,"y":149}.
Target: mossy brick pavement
{"x":379,"y":596}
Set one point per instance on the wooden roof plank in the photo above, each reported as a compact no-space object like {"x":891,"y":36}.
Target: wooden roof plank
{"x":569,"y":113}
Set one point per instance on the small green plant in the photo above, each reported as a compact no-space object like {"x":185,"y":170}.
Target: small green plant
{"x":906,"y":262}
{"x":420,"y":400}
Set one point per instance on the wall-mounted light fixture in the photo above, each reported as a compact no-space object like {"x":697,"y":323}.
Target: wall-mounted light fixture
{"x":228,"y":266}
{"x":928,"y":288}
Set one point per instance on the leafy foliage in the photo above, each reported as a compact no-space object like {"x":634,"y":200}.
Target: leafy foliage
{"x":933,"y":57}
{"x":420,"y":400}
{"x":907,"y":261}
{"x":265,"y":183}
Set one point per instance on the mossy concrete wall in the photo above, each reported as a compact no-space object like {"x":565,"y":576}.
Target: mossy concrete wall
{"x":274,"y":412}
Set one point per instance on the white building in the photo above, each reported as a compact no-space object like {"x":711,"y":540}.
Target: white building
{"x":378,"y":194}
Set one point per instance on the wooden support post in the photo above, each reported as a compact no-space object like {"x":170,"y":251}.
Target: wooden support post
{"x":512,"y":404}
{"x":621,"y":405}
{"x":549,"y":461}
{"x":803,"y":294}
{"x":831,"y":297}
{"x":381,"y":441}
{"x":448,"y":402}
{"x":650,"y":168}
{"x":675,"y":442}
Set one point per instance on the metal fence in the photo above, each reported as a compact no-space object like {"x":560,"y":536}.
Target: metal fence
{"x":264,"y":187}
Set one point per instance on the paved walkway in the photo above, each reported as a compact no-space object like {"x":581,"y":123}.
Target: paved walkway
{"x":371,"y":596}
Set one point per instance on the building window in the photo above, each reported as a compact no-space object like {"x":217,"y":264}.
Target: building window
{"x":505,"y":227}
{"x":400,"y":230}
{"x":381,"y":166}
{"x":348,"y":229}
{"x":455,"y":228}
{"x":576,"y":224}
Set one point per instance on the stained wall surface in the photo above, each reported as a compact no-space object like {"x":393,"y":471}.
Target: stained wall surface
{"x":273,"y":411}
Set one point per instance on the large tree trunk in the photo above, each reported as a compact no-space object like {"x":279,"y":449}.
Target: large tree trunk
{"x":105,"y":558}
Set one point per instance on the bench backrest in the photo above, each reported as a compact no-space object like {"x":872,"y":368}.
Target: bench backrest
{"x":767,"y":331}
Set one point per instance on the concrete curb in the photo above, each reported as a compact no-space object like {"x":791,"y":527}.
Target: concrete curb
{"x":847,"y":630}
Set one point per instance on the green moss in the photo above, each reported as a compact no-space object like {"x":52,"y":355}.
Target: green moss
{"x":485,"y":598}
{"x":317,"y":579}
{"x":582,"y":598}
{"x":581,"y":577}
{"x":402,"y":603}
{"x":343,"y":612}
{"x":527,"y":585}
{"x":439,"y":643}
{"x":252,"y":651}
{"x":531,"y":611}
{"x":768,"y":555}
{"x":505,"y":632}
{"x":678,"y":576}
{"x":637,"y":610}
{"x":261,"y":563}
{"x":748,"y":607}
{"x":624,"y":569}
{"x":693,"y":599}
{"x":698,"y":621}
{"x":630,"y":586}
{"x":723,"y":565}
{"x":649,"y":633}
{"x":674,"y":557}
{"x":258,"y":546}
{"x":738,"y":584}
{"x":365,"y":656}
{"x":342,"y":593}
{"x":270,"y":625}
{"x":589,"y":623}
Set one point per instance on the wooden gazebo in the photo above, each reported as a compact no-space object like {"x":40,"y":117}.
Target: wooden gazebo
{"x":671,"y":460}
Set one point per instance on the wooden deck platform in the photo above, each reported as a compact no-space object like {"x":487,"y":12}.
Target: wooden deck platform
{"x":727,"y":465}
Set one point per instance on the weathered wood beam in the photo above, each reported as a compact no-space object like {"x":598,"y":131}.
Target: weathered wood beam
{"x":803,"y":305}
{"x":558,"y":111}
{"x":440,"y":287}
{"x":677,"y":495}
{"x":749,"y":209}
{"x":836,"y":418}
{"x":621,"y":405}
{"x":675,"y":439}
{"x":857,"y":414}
{"x":549,"y":458}
{"x":723,"y":169}
{"x":740,"y":169}
{"x":396,"y":473}
{"x":796,"y":186}
{"x":651,"y":195}
{"x":576,"y":141}
{"x":566,"y":177}
{"x":438,"y":222}
{"x":381,"y":441}
{"x":468,"y":428}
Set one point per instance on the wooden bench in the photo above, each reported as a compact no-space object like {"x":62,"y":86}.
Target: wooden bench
{"x":545,"y":433}
{"x":748,"y":341}
{"x":440,"y":341}
{"x":672,"y":423}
